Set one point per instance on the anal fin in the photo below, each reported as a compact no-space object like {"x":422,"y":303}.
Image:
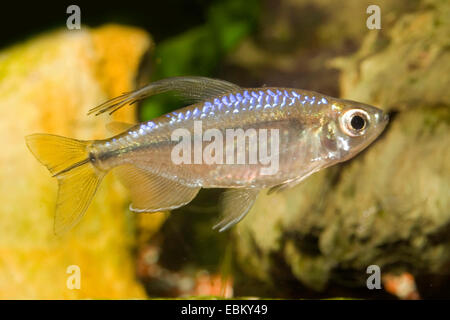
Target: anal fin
{"x":235,"y":203}
{"x":153,"y":193}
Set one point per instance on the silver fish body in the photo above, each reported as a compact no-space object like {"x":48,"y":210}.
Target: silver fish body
{"x":299,"y":131}
{"x":307,"y":122}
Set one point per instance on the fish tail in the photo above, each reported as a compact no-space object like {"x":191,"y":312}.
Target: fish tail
{"x":68,"y":160}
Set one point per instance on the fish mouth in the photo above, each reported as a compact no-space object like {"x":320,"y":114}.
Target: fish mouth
{"x":381,"y":118}
{"x":384,"y":121}
{"x":381,"y":121}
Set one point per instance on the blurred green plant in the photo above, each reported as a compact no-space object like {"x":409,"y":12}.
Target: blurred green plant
{"x":199,"y":51}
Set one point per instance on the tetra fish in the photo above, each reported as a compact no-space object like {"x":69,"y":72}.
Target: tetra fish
{"x":313,"y":131}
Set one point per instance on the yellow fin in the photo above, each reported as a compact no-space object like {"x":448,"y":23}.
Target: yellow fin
{"x":153,"y":193}
{"x":76,"y":190}
{"x":55,"y":152}
{"x":67,"y":159}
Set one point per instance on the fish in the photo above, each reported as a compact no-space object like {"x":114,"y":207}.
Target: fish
{"x":159,"y":160}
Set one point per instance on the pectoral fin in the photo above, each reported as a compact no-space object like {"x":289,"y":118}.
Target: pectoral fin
{"x":153,"y":193}
{"x":283,"y":186}
{"x":191,"y":88}
{"x":235,"y":204}
{"x":292,"y":183}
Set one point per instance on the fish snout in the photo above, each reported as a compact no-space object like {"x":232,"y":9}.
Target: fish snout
{"x":381,"y":119}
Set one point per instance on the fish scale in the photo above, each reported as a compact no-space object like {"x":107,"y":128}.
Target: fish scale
{"x":243,"y":101}
{"x":277,"y":108}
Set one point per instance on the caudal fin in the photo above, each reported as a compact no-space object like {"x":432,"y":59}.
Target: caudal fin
{"x":68,"y":160}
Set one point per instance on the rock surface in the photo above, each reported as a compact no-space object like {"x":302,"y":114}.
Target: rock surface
{"x":47,"y":84}
{"x":389,"y":206}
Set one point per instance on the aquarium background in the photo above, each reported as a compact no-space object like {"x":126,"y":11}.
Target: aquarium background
{"x":388,"y":207}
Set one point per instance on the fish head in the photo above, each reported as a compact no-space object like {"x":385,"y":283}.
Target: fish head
{"x":352,"y":126}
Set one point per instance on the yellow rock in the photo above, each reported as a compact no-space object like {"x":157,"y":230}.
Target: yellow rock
{"x":47,"y":84}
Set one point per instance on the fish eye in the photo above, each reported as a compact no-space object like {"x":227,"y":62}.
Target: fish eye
{"x":357,"y":122}
{"x":354,"y":122}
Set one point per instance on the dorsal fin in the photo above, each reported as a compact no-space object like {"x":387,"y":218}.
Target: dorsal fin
{"x":193,"y":88}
